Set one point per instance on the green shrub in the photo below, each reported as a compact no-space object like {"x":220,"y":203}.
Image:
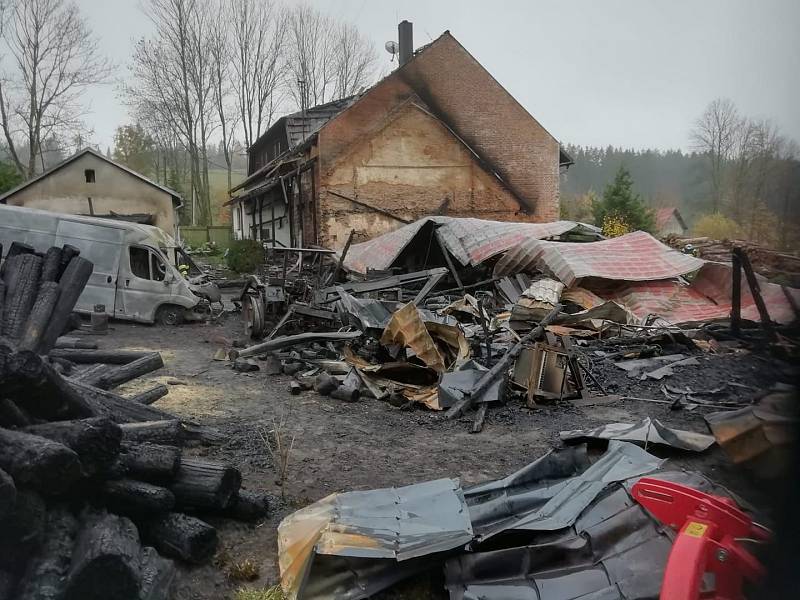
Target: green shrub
{"x":245,"y":256}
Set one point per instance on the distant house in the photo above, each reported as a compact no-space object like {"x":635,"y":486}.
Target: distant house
{"x":437,"y":136}
{"x":88,"y":183}
{"x":670,"y":222}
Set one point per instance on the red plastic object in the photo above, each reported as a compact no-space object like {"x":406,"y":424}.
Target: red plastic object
{"x":710,"y":530}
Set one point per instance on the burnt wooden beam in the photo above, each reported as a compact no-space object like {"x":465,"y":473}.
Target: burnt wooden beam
{"x":127,"y":372}
{"x":448,"y":259}
{"x":340,"y":262}
{"x":736,"y":294}
{"x":23,"y":529}
{"x":39,"y":318}
{"x":755,"y":290}
{"x":72,"y":282}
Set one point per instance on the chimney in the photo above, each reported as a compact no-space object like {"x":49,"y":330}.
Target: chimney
{"x":405,"y":33}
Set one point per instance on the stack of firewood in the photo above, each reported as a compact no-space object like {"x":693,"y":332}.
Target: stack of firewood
{"x":96,"y":495}
{"x":767,"y":262}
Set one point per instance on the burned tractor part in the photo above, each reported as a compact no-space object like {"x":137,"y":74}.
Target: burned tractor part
{"x":711,"y":529}
{"x":253,"y":316}
{"x":501,"y":366}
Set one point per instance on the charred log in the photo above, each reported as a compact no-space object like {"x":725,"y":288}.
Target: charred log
{"x":151,"y":462}
{"x":34,"y":461}
{"x":45,"y":574}
{"x":151,"y":395}
{"x":116,"y":407}
{"x":180,"y":536}
{"x":157,"y":575}
{"x":72,"y":282}
{"x":39,"y":318}
{"x":51,"y":267}
{"x":22,"y":530}
{"x":105,"y":561}
{"x":12,"y":415}
{"x":168,"y":432}
{"x":248,"y":506}
{"x":205,"y":485}
{"x":124,"y":373}
{"x":8,"y":494}
{"x":22,"y":282}
{"x":136,"y":498}
{"x":96,"y":441}
{"x":90,"y":357}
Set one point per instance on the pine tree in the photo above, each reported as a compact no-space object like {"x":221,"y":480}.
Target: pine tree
{"x":621,"y":210}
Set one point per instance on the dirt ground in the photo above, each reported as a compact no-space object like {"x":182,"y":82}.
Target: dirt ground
{"x":370,"y":444}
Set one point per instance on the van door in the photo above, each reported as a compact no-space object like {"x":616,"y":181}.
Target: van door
{"x":102,"y":246}
{"x":146,"y":282}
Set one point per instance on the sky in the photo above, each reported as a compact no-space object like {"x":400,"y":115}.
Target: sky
{"x":628,"y":73}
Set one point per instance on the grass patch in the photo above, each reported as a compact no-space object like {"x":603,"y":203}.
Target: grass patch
{"x":273,"y":593}
{"x":246,"y":570}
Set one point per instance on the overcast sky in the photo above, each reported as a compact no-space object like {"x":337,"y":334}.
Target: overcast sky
{"x":631,"y":73}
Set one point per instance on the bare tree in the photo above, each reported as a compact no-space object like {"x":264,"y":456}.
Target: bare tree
{"x":355,"y":60}
{"x":221,"y":66}
{"x":53,"y":59}
{"x":714,"y":134}
{"x":326,"y":60}
{"x":172,"y":89}
{"x":258,"y":31}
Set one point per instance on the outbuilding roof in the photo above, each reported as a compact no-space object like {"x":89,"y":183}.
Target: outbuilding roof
{"x":176,"y":197}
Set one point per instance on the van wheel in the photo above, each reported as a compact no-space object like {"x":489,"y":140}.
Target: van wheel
{"x":169,"y":314}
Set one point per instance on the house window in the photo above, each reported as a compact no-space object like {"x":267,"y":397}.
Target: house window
{"x":89,"y":174}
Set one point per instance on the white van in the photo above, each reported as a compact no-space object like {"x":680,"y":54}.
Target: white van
{"x":132,"y":277}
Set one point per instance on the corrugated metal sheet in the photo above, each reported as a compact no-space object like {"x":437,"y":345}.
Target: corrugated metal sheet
{"x":637,"y":256}
{"x":647,"y":430}
{"x":394,"y":523}
{"x":551,"y":492}
{"x":470,"y":241}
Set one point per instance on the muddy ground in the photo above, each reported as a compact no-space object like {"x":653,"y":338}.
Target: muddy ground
{"x":369,"y":444}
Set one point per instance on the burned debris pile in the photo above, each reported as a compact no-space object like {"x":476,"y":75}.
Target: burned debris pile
{"x":96,"y":493}
{"x":462,"y":314}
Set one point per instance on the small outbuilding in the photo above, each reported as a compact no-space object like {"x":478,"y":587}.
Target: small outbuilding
{"x":87,"y":183}
{"x":670,"y":222}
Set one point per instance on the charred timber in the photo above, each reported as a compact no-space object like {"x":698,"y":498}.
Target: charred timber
{"x":22,"y":530}
{"x":72,"y":282}
{"x":22,"y":282}
{"x":116,"y":407}
{"x":90,"y":357}
{"x":45,"y":573}
{"x":8,"y":494}
{"x":96,"y":441}
{"x":181,"y":536}
{"x":124,"y":373}
{"x":248,"y":506}
{"x":151,"y":462}
{"x":166,"y":431}
{"x":34,"y":461}
{"x":136,"y":498}
{"x":39,"y":319}
{"x":157,"y":575}
{"x":149,"y":396}
{"x":105,"y":562}
{"x":205,"y":485}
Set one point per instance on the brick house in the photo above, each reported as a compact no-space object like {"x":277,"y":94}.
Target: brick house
{"x":437,"y":136}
